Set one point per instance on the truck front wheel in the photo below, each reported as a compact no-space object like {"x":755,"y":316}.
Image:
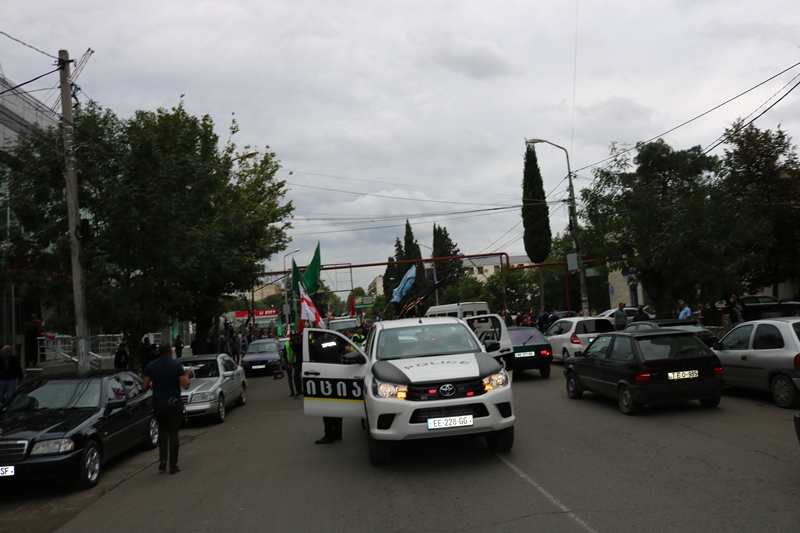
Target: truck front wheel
{"x":501,"y":440}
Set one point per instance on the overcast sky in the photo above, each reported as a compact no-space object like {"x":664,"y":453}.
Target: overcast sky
{"x":419,"y":110}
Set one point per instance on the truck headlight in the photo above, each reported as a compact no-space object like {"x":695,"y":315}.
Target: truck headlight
{"x":54,"y":446}
{"x":496,"y":381}
{"x":389,"y":390}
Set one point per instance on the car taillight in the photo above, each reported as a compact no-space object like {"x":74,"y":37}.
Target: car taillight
{"x":718,"y":373}
{"x":797,"y":363}
{"x":642,"y":378}
{"x":546,"y":353}
{"x":574,"y":338}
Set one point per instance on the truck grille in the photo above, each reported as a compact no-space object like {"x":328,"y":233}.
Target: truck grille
{"x":421,"y":416}
{"x":431,"y":391}
{"x":12,"y":450}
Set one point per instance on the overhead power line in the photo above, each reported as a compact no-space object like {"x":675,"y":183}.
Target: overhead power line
{"x":29,"y":46}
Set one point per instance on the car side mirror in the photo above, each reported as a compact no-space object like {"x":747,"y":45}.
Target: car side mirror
{"x":491,"y":346}
{"x":353,"y":358}
{"x":114,"y":404}
{"x":717,"y":345}
{"x":578,"y":354}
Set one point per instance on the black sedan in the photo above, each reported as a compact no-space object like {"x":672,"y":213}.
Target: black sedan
{"x":263,"y":356}
{"x":646,"y":368}
{"x":66,"y":427}
{"x":531,"y":351}
{"x":692,"y":326}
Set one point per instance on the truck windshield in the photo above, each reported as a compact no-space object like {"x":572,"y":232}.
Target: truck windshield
{"x":422,"y":341}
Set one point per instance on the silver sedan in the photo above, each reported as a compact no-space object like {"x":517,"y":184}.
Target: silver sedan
{"x":217,"y":383}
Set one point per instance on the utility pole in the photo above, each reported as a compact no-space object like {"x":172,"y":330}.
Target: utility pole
{"x":71,"y":175}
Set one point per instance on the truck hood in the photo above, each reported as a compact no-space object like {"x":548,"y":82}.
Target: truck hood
{"x":436,"y":368}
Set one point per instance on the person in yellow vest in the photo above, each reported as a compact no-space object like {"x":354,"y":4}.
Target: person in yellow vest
{"x":291,"y":355}
{"x":358,"y":337}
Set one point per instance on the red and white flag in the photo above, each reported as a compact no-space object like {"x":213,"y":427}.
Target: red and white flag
{"x":307,"y":310}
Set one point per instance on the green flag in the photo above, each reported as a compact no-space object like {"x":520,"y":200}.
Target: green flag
{"x":297,"y":277}
{"x":312,"y":273}
{"x":309,"y":277}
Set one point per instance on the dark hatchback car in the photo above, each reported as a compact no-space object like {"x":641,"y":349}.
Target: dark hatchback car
{"x":646,"y":368}
{"x":263,"y":356}
{"x":692,"y":326}
{"x":65,"y":427}
{"x":531,"y":351}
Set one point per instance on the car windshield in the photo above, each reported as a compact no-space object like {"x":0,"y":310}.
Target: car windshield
{"x":425,"y":340}
{"x":57,"y":394}
{"x":526,"y":336}
{"x":262,"y":347}
{"x":671,"y":346}
{"x":339,"y":325}
{"x":207,"y":368}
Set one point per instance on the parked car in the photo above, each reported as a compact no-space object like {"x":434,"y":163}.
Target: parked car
{"x":531,"y":351}
{"x":764,"y":355}
{"x":629,"y":312}
{"x":642,"y":368}
{"x":692,"y":326}
{"x":218,"y":382}
{"x":263,"y":356}
{"x":414,"y":378}
{"x":570,"y":335}
{"x":66,"y":427}
{"x":763,"y":306}
{"x":566,"y":314}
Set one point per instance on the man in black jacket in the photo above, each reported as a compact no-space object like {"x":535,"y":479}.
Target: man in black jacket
{"x":11,"y":374}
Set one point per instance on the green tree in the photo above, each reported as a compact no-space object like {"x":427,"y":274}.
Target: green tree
{"x":520,"y":285}
{"x":177,"y":221}
{"x":659,"y":221}
{"x":443,"y":246}
{"x":760,"y":172}
{"x":535,"y":213}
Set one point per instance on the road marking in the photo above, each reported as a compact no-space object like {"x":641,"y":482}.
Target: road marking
{"x":546,"y":494}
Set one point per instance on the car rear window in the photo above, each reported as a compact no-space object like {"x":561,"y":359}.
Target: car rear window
{"x":671,"y":346}
{"x":594,"y":326}
{"x":526,"y":336}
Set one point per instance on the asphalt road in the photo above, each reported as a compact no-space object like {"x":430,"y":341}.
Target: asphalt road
{"x":576,"y":466}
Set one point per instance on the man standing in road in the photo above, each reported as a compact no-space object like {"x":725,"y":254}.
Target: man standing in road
{"x":10,"y":373}
{"x":620,"y":318}
{"x":167,"y":376}
{"x":178,"y":346}
{"x":685,"y":313}
{"x":640,"y":314}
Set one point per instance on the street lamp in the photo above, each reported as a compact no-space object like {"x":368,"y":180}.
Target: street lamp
{"x":576,"y":231}
{"x":286,"y":286}
{"x":433,"y":265}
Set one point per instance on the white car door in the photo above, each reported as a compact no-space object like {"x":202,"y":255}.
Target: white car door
{"x":492,"y":327}
{"x":331,"y":386}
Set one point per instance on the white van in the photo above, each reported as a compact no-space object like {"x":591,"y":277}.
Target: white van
{"x":459,"y":310}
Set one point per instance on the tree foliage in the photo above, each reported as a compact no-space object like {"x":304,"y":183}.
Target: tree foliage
{"x":760,"y":172}
{"x":177,"y":220}
{"x":443,"y":246}
{"x":535,"y":213}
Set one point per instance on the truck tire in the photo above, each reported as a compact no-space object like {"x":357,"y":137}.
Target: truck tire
{"x":501,"y":440}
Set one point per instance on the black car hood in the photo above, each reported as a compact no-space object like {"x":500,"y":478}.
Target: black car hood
{"x":49,"y":423}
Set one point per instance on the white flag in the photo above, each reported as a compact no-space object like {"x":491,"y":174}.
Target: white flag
{"x":307,"y":309}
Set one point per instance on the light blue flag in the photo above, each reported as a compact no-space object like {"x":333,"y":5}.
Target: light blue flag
{"x":405,"y":284}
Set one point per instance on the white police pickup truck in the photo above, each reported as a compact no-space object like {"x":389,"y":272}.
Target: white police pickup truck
{"x":415,"y":378}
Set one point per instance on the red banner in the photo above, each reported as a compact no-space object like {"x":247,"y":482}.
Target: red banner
{"x":259,"y":313}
